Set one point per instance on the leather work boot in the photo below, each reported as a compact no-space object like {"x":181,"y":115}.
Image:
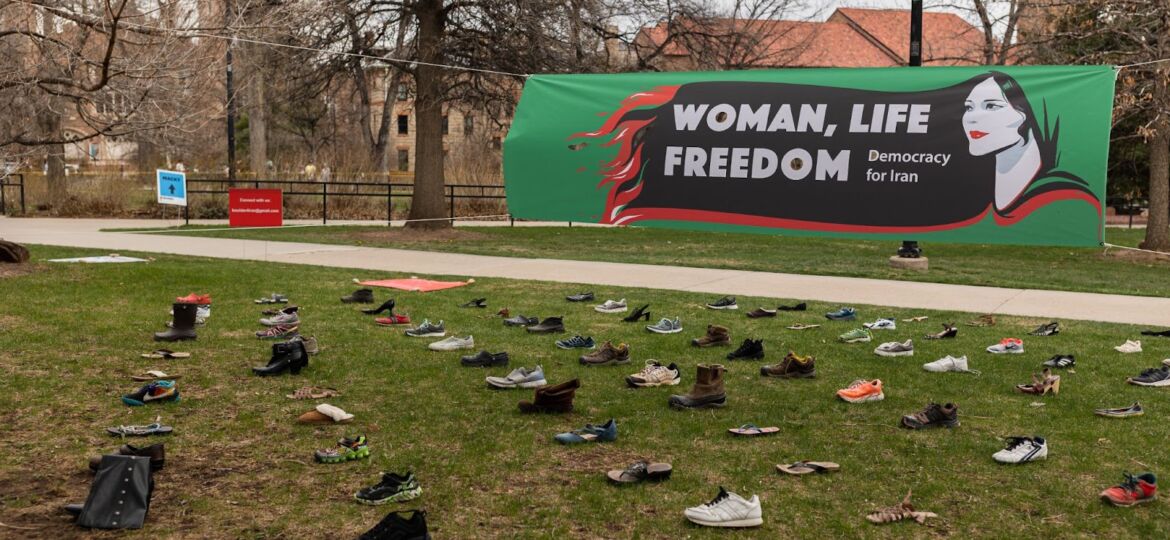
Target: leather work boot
{"x":156,"y":453}
{"x":707,"y":391}
{"x":288,"y":356}
{"x":552,"y":399}
{"x":182,"y":326}
{"x":606,"y":355}
{"x":716,"y":335}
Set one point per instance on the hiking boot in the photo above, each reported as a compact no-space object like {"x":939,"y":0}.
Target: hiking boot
{"x":580,"y":297}
{"x":1022,"y":450}
{"x":792,"y":367}
{"x":798,"y":307}
{"x":666,"y":326}
{"x":949,"y":331}
{"x":521,"y":320}
{"x":552,"y":399}
{"x":843,"y":314}
{"x":1129,"y":346}
{"x":279,"y":331}
{"x":949,"y":363}
{"x":606,"y":355}
{"x":881,"y":324}
{"x":1121,"y":412}
{"x":760,"y":312}
{"x":727,"y":510}
{"x":655,"y":374}
{"x":576,"y":342}
{"x":392,"y":320}
{"x":1152,"y":377}
{"x":156,"y":453}
{"x":606,"y":432}
{"x":893,"y":348}
{"x":727,"y":302}
{"x":751,"y":349}
{"x":288,"y":356}
{"x":716,"y":335}
{"x":453,"y":343}
{"x":612,"y":306}
{"x":1050,"y":329}
{"x":427,"y":329}
{"x":933,"y":415}
{"x":706,"y":392}
{"x":157,"y":391}
{"x":485,"y":359}
{"x":387,"y":306}
{"x":1134,"y":490}
{"x":548,"y":326}
{"x":857,"y":335}
{"x":347,"y":449}
{"x":284,"y":318}
{"x":394,"y":527}
{"x":520,"y":377}
{"x":639,"y":313}
{"x":861,"y":391}
{"x":360,"y":296}
{"x":182,"y":325}
{"x":477,"y":303}
{"x":1007,"y":346}
{"x":1061,"y":361}
{"x":392,"y":488}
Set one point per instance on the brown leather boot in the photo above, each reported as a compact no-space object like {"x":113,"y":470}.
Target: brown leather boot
{"x":716,"y":335}
{"x":553,"y":399}
{"x":156,"y":453}
{"x":707,"y":391}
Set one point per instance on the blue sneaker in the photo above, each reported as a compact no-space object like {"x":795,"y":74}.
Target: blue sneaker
{"x":606,"y":432}
{"x":843,"y":314}
{"x":577,"y":342}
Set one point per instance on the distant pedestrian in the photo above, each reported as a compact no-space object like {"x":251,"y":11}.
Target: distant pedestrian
{"x":326,"y":174}
{"x":310,"y":172}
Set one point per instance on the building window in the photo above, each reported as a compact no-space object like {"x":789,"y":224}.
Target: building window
{"x":403,"y":124}
{"x":401,"y":91}
{"x":93,"y":151}
{"x":403,"y":159}
{"x":445,"y":128}
{"x":495,"y":143}
{"x":468,"y":125}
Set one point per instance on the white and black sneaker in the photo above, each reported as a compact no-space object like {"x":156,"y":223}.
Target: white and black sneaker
{"x":1061,"y":361}
{"x":428,"y":329}
{"x":727,"y":302}
{"x":576,"y":342}
{"x":666,"y":326}
{"x":1152,"y":377}
{"x":1022,"y":450}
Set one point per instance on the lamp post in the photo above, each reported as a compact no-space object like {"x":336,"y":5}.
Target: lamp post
{"x":910,"y":249}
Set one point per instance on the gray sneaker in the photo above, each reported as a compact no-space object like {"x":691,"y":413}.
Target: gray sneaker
{"x":428,"y":329}
{"x":666,"y":326}
{"x":894,"y":348}
{"x":520,"y":377}
{"x":453,"y":343}
{"x":283,"y":318}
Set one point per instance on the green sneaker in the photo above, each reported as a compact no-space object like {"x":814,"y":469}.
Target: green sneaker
{"x":855,"y":336}
{"x":347,"y":449}
{"x":392,"y":488}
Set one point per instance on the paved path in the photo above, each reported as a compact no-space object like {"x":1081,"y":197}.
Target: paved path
{"x":843,"y":290}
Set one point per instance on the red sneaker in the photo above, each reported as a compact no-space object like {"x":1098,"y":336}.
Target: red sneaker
{"x":1134,"y":490}
{"x":200,"y":299}
{"x":392,"y":320}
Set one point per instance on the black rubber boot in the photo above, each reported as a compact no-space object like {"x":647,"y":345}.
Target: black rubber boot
{"x":183,"y":324}
{"x":289,"y":356}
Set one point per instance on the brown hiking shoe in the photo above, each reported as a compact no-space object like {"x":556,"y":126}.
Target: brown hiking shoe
{"x":707,"y":391}
{"x":933,"y":415}
{"x":557,"y":398}
{"x":716,"y":335}
{"x":606,"y":355}
{"x":792,"y":367}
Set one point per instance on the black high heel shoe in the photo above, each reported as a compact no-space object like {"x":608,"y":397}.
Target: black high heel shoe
{"x":289,"y":356}
{"x":386,"y":306}
{"x":639,"y":313}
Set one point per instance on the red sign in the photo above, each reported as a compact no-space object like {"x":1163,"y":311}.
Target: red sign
{"x":255,"y":208}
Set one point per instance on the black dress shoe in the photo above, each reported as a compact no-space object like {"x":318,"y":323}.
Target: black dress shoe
{"x":386,"y":306}
{"x":548,"y":326}
{"x":360,"y":296}
{"x":798,"y":307}
{"x":288,"y":356}
{"x":485,"y":359}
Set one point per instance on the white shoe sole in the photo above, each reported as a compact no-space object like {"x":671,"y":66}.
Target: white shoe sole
{"x":877,"y":397}
{"x":530,"y":384}
{"x":858,"y":340}
{"x":533,"y":384}
{"x":1005,"y":352}
{"x":750,"y":522}
{"x":444,"y":349}
{"x":656,"y":331}
{"x":432,"y":334}
{"x":889,"y":354}
{"x":1008,"y":461}
{"x":671,"y":382}
{"x":614,"y":310}
{"x":733,"y":306}
{"x":559,"y":346}
{"x":1165,"y":382}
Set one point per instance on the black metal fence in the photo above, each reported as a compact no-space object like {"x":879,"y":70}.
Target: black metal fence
{"x":325,"y":190}
{"x":13,"y":182}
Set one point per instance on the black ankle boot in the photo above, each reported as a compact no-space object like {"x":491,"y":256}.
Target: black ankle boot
{"x":386,"y":306}
{"x":290,"y":356}
{"x":639,"y":313}
{"x":182,"y":326}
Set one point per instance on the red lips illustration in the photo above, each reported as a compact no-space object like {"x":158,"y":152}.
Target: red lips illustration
{"x":978,"y":134}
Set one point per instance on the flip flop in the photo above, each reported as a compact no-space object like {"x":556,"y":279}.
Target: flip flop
{"x":799,"y":326}
{"x":806,"y":467}
{"x":641,"y":471}
{"x":154,"y":375}
{"x":167,"y":354}
{"x":140,"y":431}
{"x":312,"y":392}
{"x":749,"y":430}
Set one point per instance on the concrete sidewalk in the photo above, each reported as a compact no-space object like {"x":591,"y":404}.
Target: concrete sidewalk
{"x":1025,"y":302}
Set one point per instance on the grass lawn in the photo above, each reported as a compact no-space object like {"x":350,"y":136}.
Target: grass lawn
{"x":238,"y":465}
{"x":1071,"y":269}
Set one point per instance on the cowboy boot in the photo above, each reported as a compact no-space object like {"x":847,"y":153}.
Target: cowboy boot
{"x":707,"y":391}
{"x":183,"y":325}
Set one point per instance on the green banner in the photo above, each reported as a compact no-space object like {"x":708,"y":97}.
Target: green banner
{"x":1012,"y":155}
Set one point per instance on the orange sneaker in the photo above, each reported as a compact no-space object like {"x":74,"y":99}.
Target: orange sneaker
{"x":861,"y":391}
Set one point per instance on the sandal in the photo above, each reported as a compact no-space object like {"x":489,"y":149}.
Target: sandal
{"x":167,"y":354}
{"x":274,"y":299}
{"x":140,"y":431}
{"x":799,"y":326}
{"x":806,"y":467}
{"x":312,"y":392}
{"x":752,"y":430}
{"x":154,"y":375}
{"x":641,"y":471}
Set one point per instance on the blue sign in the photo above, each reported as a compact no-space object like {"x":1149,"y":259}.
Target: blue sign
{"x":172,"y":187}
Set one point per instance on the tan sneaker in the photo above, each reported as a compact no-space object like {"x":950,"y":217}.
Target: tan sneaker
{"x":655,"y":374}
{"x":607,"y":354}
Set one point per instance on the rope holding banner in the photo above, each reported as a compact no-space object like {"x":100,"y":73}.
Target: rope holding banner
{"x":1107,"y":245}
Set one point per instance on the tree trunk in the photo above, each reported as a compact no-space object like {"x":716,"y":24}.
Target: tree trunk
{"x":427,"y":202}
{"x":258,"y":119}
{"x":49,"y":124}
{"x":1158,"y":226}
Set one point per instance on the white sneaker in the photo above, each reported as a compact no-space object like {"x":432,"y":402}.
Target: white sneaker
{"x":1007,"y":346}
{"x":1022,"y":450}
{"x":893,"y":348}
{"x":611,"y":306}
{"x":881,"y":324}
{"x":453,"y":343}
{"x":1129,"y":347}
{"x":728,"y":510}
{"x":949,"y":363}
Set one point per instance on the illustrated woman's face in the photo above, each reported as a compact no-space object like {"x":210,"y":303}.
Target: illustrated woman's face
{"x":990,"y":121}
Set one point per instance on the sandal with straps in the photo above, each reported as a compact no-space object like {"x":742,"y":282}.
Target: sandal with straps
{"x":141,"y":431}
{"x":312,"y":392}
{"x":751,"y":430}
{"x":154,"y":375}
{"x":806,"y":467}
{"x":641,"y":471}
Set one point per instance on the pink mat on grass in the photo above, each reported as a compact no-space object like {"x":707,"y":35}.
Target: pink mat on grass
{"x":414,"y":284}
